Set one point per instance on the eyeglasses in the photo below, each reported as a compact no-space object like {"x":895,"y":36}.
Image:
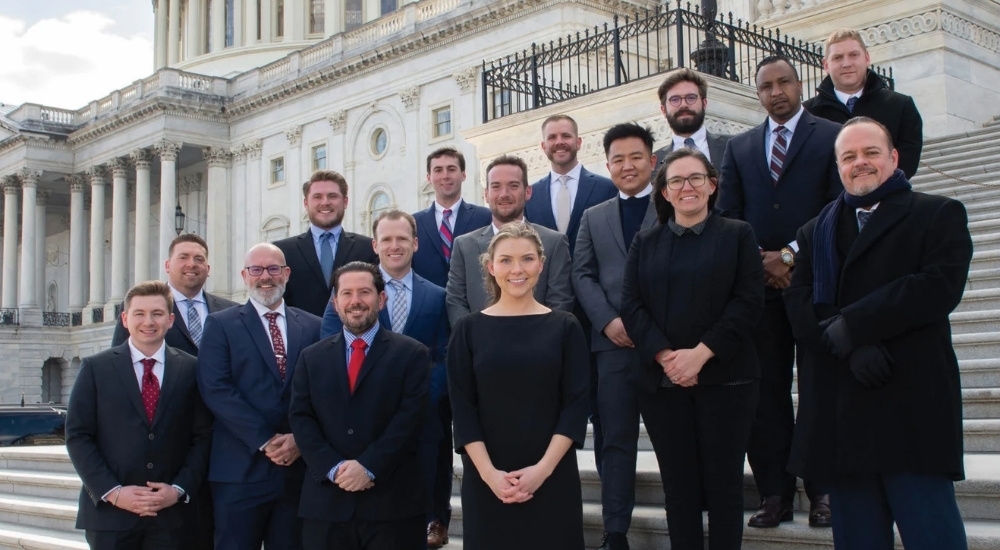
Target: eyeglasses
{"x":690,"y":99}
{"x":258,"y":270}
{"x":696,"y":180}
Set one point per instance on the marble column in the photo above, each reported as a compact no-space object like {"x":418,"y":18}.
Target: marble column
{"x":141,"y":158}
{"x":27,"y":297}
{"x":168,"y":151}
{"x":217,"y":28}
{"x":193,"y":29}
{"x":250,"y":18}
{"x":160,"y":33}
{"x":11,"y":188}
{"x":119,"y":231}
{"x":41,"y":204}
{"x":98,"y":179}
{"x":173,"y":33}
{"x":218,"y":207}
{"x":77,"y":243}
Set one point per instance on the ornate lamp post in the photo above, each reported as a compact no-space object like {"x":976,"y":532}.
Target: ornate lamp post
{"x":712,"y":55}
{"x":179,"y":220}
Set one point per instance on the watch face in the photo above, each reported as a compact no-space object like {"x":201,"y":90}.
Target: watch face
{"x":786,"y":257}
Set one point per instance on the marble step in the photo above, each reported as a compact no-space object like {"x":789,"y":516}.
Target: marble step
{"x":44,"y":513}
{"x":980,"y":373}
{"x":36,"y":459}
{"x":16,"y":536}
{"x":980,"y":279}
{"x":983,"y":320}
{"x":985,"y":260}
{"x":40,"y":484}
{"x":976,"y":345}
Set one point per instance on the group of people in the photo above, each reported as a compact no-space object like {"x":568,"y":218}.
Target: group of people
{"x":324,"y":412}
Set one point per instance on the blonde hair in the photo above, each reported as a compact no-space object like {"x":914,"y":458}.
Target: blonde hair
{"x":840,"y":35}
{"x":513,"y":230}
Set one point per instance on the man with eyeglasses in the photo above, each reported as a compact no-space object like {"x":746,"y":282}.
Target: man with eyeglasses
{"x":245,"y":368}
{"x":683,"y":99}
{"x":777,"y":176}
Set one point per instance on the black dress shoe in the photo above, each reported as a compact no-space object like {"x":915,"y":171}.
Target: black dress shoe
{"x":773,"y":510}
{"x":819,"y":512}
{"x":614,"y":541}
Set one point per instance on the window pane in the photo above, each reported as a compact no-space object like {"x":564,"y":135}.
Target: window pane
{"x":277,"y":170}
{"x":319,"y":157}
{"x":279,"y":19}
{"x":229,"y":23}
{"x":442,"y":122}
{"x":317,"y":16}
{"x":388,"y":6}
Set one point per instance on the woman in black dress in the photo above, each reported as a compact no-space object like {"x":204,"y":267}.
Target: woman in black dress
{"x":519,"y":382}
{"x":693,"y":289}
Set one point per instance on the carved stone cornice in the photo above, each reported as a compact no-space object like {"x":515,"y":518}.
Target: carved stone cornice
{"x":294,"y":134}
{"x":216,"y":157}
{"x":168,"y":150}
{"x":239,"y":153}
{"x":931,"y":21}
{"x":155,"y":108}
{"x":119,"y":167}
{"x":98,"y":175}
{"x":77,"y":183}
{"x":337,"y":120}
{"x":410,"y":97}
{"x":11,"y":185}
{"x":190,"y":183}
{"x":141,"y":158}
{"x":466,"y":79}
{"x":29,"y":178}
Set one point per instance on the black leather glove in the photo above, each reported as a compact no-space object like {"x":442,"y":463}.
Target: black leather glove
{"x":835,"y":337}
{"x":871,"y":365}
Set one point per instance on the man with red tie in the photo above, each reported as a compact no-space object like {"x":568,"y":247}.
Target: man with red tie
{"x":138,"y":433}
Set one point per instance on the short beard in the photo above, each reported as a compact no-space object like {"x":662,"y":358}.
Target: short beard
{"x":334,"y":223}
{"x":364,"y":326}
{"x":268,"y":298}
{"x":514,"y":217}
{"x":680,"y":127}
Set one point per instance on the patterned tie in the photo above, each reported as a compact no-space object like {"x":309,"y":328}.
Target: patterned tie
{"x":851,"y":101}
{"x":445,"y":232}
{"x":399,"y":311}
{"x":863,"y":217}
{"x":778,"y":153}
{"x":326,"y":256}
{"x":150,"y":388}
{"x":276,"y":342}
{"x":563,"y":205}
{"x":357,"y":358}
{"x":193,"y":322}
{"x":689,"y":143}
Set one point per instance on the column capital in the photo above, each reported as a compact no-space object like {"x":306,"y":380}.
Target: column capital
{"x":294,"y":134}
{"x":410,"y":97}
{"x":42,"y":198}
{"x":253,"y":148}
{"x":29,"y":178}
{"x":191,"y":182}
{"x":76,"y":182}
{"x":216,"y":156}
{"x":98,"y":175}
{"x":118,"y":166}
{"x":11,"y":185}
{"x":168,"y":150}
{"x":337,"y":120}
{"x":141,"y":158}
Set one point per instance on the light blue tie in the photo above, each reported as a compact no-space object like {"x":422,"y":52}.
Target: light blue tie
{"x":193,"y":322}
{"x":398,"y":315}
{"x":326,"y":255}
{"x":689,"y":143}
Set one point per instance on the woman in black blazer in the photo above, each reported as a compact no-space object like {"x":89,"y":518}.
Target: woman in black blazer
{"x":693,"y":289}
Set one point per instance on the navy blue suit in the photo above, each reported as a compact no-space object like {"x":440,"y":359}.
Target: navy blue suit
{"x":255,"y":499}
{"x":429,"y":260}
{"x":591,"y":190}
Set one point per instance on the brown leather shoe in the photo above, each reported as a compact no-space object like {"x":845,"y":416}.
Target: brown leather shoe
{"x":773,"y":510}
{"x":437,"y":534}
{"x":819,"y":512}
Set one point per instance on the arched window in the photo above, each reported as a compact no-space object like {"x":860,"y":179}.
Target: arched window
{"x":380,"y":202}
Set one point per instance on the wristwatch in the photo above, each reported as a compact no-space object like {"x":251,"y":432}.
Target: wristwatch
{"x":788,"y":257}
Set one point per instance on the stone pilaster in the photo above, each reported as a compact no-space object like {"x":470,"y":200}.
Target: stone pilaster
{"x":168,"y":151}
{"x":41,"y":206}
{"x":27,"y":295}
{"x":77,"y":242}
{"x":98,"y":180}
{"x":141,"y":159}
{"x":119,"y":231}
{"x":219,"y":210}
{"x":11,"y":189}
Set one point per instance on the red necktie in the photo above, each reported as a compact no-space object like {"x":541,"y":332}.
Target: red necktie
{"x":276,"y":342}
{"x":445,"y":232}
{"x":357,"y":357}
{"x":150,"y":388}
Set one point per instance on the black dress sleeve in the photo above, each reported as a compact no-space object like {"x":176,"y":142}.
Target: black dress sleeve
{"x":574,"y":386}
{"x":462,"y":386}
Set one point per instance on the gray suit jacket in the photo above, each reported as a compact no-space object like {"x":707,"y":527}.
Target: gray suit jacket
{"x":467,"y":293}
{"x":716,"y":150}
{"x":599,"y":266}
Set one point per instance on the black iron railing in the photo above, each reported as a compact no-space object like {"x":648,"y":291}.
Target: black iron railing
{"x":636,"y":46}
{"x":118,"y":310}
{"x":76,"y":319}
{"x":55,"y":319}
{"x":97,"y":315}
{"x":9,"y":317}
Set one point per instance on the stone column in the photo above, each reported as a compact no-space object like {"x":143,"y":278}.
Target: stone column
{"x":218,"y":25}
{"x":173,"y":34}
{"x":160,"y":33}
{"x":98,"y":179}
{"x":11,"y":187}
{"x":41,"y":201}
{"x":141,"y":158}
{"x":254,"y":211}
{"x":27,"y":297}
{"x":250,"y":17}
{"x":77,"y":243}
{"x":218,"y":207}
{"x":119,"y":231}
{"x":168,"y":151}
{"x":193,"y":29}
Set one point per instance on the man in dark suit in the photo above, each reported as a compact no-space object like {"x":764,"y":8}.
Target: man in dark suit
{"x":880,"y":402}
{"x":245,"y":368}
{"x":778,"y":176}
{"x":187,"y":270}
{"x":683,"y":99}
{"x":449,"y":216}
{"x":557,"y":201}
{"x":415,"y":307}
{"x":507,"y":191}
{"x":851,"y":88}
{"x":138,"y":433}
{"x":315,"y":254}
{"x":358,"y":398}
{"x":606,"y":232}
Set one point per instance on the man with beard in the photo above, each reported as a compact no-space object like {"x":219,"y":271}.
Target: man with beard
{"x":358,"y":398}
{"x":777,"y":176}
{"x":683,"y":99}
{"x":315,"y":254}
{"x":507,"y":192}
{"x":245,"y":368}
{"x":557,"y":201}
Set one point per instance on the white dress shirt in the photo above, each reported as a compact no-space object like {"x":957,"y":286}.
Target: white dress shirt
{"x":282,"y":323}
{"x":572,"y":184}
{"x":700,"y":141}
{"x":439,"y":215}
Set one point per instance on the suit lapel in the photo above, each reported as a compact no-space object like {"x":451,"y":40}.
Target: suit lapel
{"x":180,"y":323}
{"x":716,"y":148}
{"x":804,"y":129}
{"x":308,"y":251}
{"x":294,"y":344}
{"x":428,"y":226}
{"x":345,"y":245}
{"x":416,"y":304}
{"x":126,"y":372}
{"x":260,"y":337}
{"x":338,"y":353}
{"x":379,"y":345}
{"x":483,"y":240}
{"x":584,"y":189}
{"x":462,"y":220}
{"x":170,"y":384}
{"x":890,"y":211}
{"x":614,"y":218}
{"x":540,"y":192}
{"x":649,"y":220}
{"x":758,"y":138}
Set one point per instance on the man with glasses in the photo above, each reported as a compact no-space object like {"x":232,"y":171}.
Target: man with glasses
{"x":683,"y":99}
{"x":245,"y":368}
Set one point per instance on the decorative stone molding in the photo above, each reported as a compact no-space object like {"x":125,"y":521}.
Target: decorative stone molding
{"x":969,"y":30}
{"x":899,"y":29}
{"x":216,"y":156}
{"x":190,"y":183}
{"x":29,"y":178}
{"x":11,"y":185}
{"x":294,"y":134}
{"x":168,"y":150}
{"x":141,"y":158}
{"x":253,"y":148}
{"x":239,"y":153}
{"x":42,"y":197}
{"x":77,"y":183}
{"x":410,"y":97}
{"x":98,"y":175}
{"x":64,"y":222}
{"x":337,"y":120}
{"x":119,"y":167}
{"x":466,"y":79}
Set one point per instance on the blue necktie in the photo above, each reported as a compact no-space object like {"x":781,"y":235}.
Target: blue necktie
{"x":326,"y":255}
{"x":689,"y":143}
{"x":193,"y":322}
{"x":863,"y":217}
{"x":851,"y":101}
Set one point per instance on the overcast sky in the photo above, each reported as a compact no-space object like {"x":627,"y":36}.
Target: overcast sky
{"x":66,"y":53}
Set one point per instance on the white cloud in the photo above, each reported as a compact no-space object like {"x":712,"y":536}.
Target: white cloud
{"x":69,"y":61}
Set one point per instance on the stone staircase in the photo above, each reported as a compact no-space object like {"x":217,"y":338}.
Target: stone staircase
{"x":39,"y":489}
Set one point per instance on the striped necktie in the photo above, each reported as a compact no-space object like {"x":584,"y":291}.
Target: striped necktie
{"x":778,"y":153}
{"x":445,"y":232}
{"x":398,"y":311}
{"x":193,"y":322}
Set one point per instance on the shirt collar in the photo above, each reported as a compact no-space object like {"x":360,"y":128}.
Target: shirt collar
{"x":497,"y":229}
{"x":368,"y":336}
{"x":843,"y":96}
{"x":137,"y":355}
{"x":680,"y":230}
{"x":178,"y":297}
{"x":262,"y":309}
{"x":407,"y":279}
{"x":317,"y":232}
{"x":790,"y":125}
{"x":639,"y":195}
{"x":439,"y":210}
{"x":699,"y":136}
{"x":574,"y":174}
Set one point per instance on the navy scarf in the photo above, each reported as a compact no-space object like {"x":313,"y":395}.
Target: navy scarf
{"x":826,"y":262}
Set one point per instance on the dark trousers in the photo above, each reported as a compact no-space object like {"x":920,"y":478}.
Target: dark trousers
{"x":700,"y":438}
{"x":202,"y":537}
{"x":771,"y":436}
{"x":254,"y":513}
{"x":145,"y":536}
{"x":436,"y":455}
{"x":618,"y":379}
{"x":357,"y":534}
{"x":923,"y":507}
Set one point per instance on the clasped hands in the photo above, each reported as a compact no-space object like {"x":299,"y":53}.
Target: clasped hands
{"x":145,"y":501}
{"x":777,"y":274}
{"x":352,"y":477}
{"x":683,"y":365}
{"x":871,"y":365}
{"x":517,"y":486}
{"x":282,"y":450}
